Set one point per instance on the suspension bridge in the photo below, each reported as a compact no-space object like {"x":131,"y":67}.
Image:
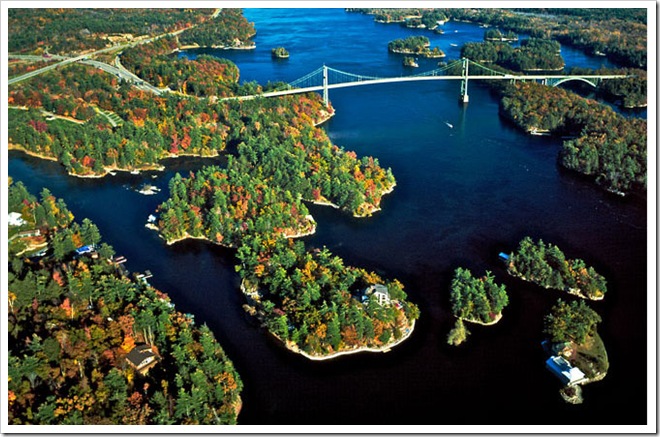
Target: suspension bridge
{"x":326,"y":78}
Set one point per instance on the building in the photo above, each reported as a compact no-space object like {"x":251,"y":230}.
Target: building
{"x":89,"y":250}
{"x":142,"y":358}
{"x":563,"y":370}
{"x":15,"y":219}
{"x":29,"y":233}
{"x":379,"y":291}
{"x":504,"y":257}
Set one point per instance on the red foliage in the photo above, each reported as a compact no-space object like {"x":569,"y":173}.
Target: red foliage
{"x":38,"y":125}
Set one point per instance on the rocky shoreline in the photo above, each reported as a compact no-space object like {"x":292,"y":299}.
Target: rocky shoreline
{"x":252,"y":295}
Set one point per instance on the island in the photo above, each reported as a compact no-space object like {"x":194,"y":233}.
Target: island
{"x":547,"y":266}
{"x":415,"y":45}
{"x":90,"y":343}
{"x":319,"y":307}
{"x":577,"y":353}
{"x":474,"y":300}
{"x":594,"y":30}
{"x":497,"y":35}
{"x":414,"y":18}
{"x":279,"y":53}
{"x":409,"y":61}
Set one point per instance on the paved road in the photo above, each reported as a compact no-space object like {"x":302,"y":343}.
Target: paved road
{"x":124,"y":74}
{"x":67,"y":60}
{"x":118,"y":71}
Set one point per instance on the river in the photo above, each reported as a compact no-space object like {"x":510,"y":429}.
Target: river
{"x":464,"y":193}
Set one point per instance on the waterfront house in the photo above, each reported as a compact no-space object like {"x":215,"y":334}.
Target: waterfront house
{"x":15,"y":219}
{"x":379,"y":291}
{"x":563,"y":370}
{"x":142,"y":358}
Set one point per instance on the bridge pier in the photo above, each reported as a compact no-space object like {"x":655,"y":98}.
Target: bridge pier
{"x":325,"y":85}
{"x":465,"y":98}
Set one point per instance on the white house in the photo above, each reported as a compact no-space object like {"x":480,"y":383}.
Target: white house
{"x":15,"y":219}
{"x":379,"y":291}
{"x":563,"y":370}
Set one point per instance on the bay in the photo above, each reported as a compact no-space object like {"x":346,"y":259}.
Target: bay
{"x":464,"y":193}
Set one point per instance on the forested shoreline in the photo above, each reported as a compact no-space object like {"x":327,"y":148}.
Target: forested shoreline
{"x":75,"y":319}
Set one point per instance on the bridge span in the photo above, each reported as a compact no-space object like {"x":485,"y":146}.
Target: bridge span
{"x":331,"y":78}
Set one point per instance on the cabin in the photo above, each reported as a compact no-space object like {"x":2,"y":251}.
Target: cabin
{"x":563,"y":370}
{"x":142,"y":358}
{"x":15,"y":219}
{"x":379,"y":291}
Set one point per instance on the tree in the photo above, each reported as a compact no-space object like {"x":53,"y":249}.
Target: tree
{"x":571,"y":322}
{"x":458,"y":334}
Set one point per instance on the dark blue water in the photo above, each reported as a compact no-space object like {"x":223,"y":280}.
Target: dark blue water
{"x":464,"y":194}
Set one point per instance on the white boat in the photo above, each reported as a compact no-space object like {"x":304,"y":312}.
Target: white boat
{"x":113,"y":173}
{"x":451,"y":126}
{"x":453,"y":45}
{"x":148,"y":190}
{"x":135,"y":171}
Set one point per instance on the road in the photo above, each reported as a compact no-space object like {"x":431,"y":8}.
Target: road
{"x":124,"y":74}
{"x":68,"y":60}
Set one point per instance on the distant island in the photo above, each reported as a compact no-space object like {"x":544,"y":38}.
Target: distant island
{"x":496,"y":35}
{"x":279,"y":53}
{"x":415,"y":45}
{"x":409,"y":61}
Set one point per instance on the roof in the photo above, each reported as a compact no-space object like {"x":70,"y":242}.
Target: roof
{"x":15,"y":219}
{"x":563,"y":370}
{"x":377,"y":288}
{"x":139,"y":353}
{"x":85,"y":249}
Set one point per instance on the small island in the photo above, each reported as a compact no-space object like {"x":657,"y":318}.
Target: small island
{"x":474,"y":300}
{"x":409,"y":61}
{"x":415,"y":45}
{"x":496,"y":35}
{"x":319,"y":307}
{"x":547,"y":266}
{"x":279,"y":53}
{"x":577,"y":353}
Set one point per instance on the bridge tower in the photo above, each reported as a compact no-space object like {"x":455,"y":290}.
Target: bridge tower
{"x":464,"y":82}
{"x":325,"y":85}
